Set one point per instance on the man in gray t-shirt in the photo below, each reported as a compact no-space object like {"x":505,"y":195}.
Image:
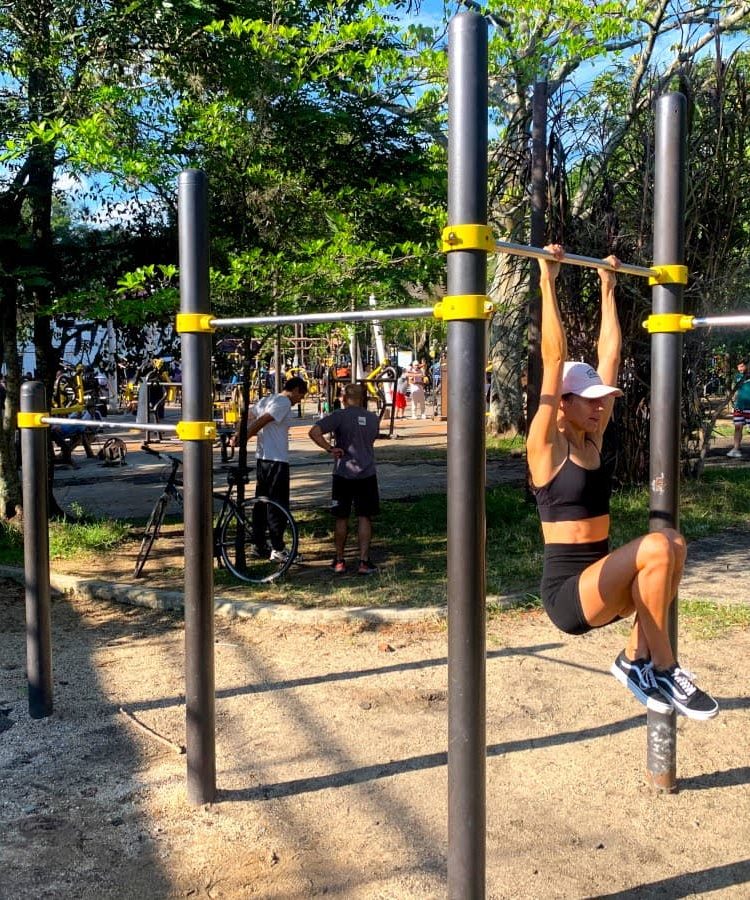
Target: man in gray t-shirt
{"x":354,"y":477}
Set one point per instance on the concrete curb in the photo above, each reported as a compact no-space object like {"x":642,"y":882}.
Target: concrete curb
{"x":134,"y":595}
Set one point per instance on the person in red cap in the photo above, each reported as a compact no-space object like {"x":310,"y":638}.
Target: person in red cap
{"x":586,"y":585}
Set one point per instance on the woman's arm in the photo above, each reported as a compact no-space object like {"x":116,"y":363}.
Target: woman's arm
{"x":543,"y":432}
{"x":610,"y":337}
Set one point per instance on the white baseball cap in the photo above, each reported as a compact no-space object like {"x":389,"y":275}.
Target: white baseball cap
{"x":583,"y":380}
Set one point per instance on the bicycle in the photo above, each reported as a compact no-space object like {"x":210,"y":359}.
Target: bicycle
{"x":233,"y":529}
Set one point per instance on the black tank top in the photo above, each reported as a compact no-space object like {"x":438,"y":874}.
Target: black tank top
{"x":575,"y":493}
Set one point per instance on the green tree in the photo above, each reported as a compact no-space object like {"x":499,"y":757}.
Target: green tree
{"x":643,"y":47}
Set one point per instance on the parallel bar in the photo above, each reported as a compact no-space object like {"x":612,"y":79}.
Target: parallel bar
{"x":666,"y":388}
{"x":589,"y":262}
{"x":95,"y":425}
{"x":733,"y":321}
{"x":198,"y":479}
{"x":357,"y":315}
{"x":36,"y":555}
{"x":467,"y":353}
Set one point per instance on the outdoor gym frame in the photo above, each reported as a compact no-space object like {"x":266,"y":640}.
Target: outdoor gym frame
{"x":197,"y":431}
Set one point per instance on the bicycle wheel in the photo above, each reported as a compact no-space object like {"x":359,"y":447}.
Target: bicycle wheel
{"x":257,"y":564}
{"x":149,"y":535}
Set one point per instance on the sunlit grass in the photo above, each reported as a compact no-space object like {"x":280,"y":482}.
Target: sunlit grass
{"x":410,"y":540}
{"x":69,"y":539}
{"x":706,"y":619}
{"x":11,"y":544}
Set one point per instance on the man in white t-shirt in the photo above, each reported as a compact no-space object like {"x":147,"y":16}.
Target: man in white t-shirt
{"x":272,"y":418}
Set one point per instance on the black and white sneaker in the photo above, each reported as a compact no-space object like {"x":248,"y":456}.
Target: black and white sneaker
{"x":678,"y":686}
{"x":638,"y":676}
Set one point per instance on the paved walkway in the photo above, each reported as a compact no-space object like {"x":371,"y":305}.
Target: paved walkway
{"x":130,"y":491}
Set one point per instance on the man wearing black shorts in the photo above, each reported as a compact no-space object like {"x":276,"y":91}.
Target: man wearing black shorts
{"x":355,"y":481}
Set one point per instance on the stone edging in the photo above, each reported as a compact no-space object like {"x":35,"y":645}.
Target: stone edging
{"x":132,"y":595}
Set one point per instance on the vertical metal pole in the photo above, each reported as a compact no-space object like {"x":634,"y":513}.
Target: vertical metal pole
{"x":198,"y":478}
{"x":467,"y":349}
{"x":36,"y":554}
{"x":278,"y":360}
{"x":666,"y":387}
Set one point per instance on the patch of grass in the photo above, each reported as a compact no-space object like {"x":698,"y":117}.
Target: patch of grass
{"x":70,"y":539}
{"x":11,"y":544}
{"x":720,"y":500}
{"x":498,"y":447}
{"x":706,"y":619}
{"x":410,"y":535}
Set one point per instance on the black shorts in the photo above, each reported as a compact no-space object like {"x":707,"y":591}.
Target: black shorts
{"x":563,"y":564}
{"x":364,"y":493}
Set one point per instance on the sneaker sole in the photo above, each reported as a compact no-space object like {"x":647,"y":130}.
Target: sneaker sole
{"x":653,"y":703}
{"x":700,"y":715}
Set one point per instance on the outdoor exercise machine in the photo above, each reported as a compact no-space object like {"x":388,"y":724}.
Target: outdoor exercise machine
{"x":198,"y":432}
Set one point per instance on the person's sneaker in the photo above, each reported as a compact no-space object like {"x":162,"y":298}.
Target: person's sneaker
{"x":338,"y":567}
{"x":734,"y":453}
{"x":279,"y":555}
{"x":677,"y":685}
{"x":638,"y":676}
{"x":259,"y":552}
{"x":366,"y":568}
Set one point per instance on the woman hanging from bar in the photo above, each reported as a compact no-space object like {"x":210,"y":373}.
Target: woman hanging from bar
{"x":584,"y":585}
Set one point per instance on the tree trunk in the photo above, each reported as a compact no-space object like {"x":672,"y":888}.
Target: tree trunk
{"x":10,"y":487}
{"x":508,"y":353}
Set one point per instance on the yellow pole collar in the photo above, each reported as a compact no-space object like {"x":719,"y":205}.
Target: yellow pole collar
{"x":668,"y":275}
{"x":467,"y":237}
{"x":194,"y":323}
{"x":196,"y":431}
{"x":664,"y":323}
{"x":31,"y":420}
{"x":464,"y":306}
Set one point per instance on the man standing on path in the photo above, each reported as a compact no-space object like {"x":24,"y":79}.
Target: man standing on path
{"x":354,"y":476}
{"x":272,"y":416}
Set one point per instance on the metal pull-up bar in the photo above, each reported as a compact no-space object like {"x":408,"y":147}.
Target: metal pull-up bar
{"x":679,"y":322}
{"x":96,"y":424}
{"x":589,"y":262}
{"x":357,"y":315}
{"x":737,"y":320}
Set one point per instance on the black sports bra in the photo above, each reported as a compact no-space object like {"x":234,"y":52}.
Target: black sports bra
{"x":575,"y":493}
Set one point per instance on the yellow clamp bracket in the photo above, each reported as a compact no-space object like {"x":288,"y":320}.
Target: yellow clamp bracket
{"x":668,"y":275}
{"x":198,"y":323}
{"x":467,"y":237}
{"x":464,"y":306}
{"x":668,"y":322}
{"x":31,"y":420}
{"x":196,"y":431}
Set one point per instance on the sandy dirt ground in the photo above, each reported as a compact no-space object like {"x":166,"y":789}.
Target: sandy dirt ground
{"x":331,"y":757}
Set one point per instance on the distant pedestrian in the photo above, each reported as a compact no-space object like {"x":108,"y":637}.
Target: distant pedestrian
{"x":272,"y":417}
{"x":354,"y":430}
{"x":402,"y":386}
{"x":417,"y":381}
{"x":741,"y":413}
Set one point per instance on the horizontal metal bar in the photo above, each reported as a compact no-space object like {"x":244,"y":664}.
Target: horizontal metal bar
{"x":96,"y":424}
{"x":355,"y":315}
{"x":589,"y":262}
{"x":738,"y":320}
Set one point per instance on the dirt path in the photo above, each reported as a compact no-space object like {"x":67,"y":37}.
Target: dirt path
{"x":331,"y":765}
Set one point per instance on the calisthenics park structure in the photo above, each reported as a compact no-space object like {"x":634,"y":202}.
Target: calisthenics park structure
{"x":467,"y":241}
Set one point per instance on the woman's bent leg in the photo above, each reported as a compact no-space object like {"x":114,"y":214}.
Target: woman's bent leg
{"x":642,"y":576}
